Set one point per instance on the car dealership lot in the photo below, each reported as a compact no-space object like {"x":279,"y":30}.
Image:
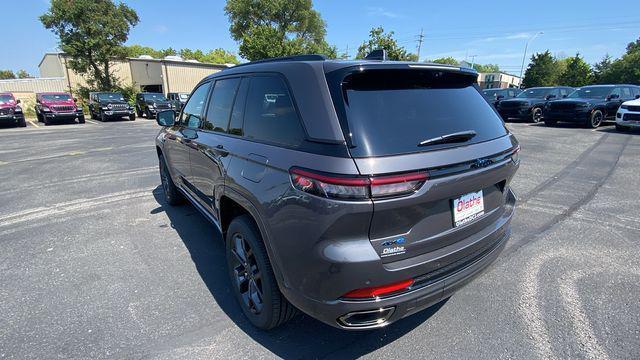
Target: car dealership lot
{"x":94,"y":264}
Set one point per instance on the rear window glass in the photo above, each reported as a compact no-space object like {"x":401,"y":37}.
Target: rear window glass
{"x":391,"y":112}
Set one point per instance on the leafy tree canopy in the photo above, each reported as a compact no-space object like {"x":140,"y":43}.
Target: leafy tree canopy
{"x":91,"y":32}
{"x":23,"y":74}
{"x":577,"y":72}
{"x":215,"y":56}
{"x":446,"y":60}
{"x":543,"y":70}
{"x":7,"y":74}
{"x":273,"y":28}
{"x":378,"y":39}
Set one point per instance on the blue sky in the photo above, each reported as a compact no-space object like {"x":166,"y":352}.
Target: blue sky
{"x":496,"y":31}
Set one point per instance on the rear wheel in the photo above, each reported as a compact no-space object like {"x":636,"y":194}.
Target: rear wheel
{"x":252,"y":278}
{"x":81,"y":119}
{"x":171,"y":192}
{"x":536,"y":115}
{"x":595,"y":119}
{"x":22,"y":123}
{"x":132,"y":117}
{"x":550,"y":122}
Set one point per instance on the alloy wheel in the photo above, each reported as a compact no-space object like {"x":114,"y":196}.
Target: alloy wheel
{"x":537,"y":115}
{"x":596,"y":119}
{"x":247,"y":276}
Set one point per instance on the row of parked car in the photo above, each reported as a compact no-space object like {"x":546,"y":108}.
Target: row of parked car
{"x":588,"y":105}
{"x":54,"y":107}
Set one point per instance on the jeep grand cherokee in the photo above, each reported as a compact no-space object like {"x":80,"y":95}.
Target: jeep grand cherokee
{"x":358,"y":192}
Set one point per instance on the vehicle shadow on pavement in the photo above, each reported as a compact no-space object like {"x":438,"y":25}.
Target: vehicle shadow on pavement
{"x":302,"y":337}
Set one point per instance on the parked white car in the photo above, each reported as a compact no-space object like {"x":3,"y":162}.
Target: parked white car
{"x":628,"y":115}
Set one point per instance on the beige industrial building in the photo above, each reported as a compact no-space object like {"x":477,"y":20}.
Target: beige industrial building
{"x":498,"y":80}
{"x":171,"y":74}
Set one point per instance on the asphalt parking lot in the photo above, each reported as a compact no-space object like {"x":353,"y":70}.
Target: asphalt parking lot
{"x":94,"y":264}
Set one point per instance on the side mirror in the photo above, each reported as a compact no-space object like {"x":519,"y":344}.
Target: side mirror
{"x":551,"y":96}
{"x":166,"y":118}
{"x":75,"y":99}
{"x":564,"y":96}
{"x":499,"y":97}
{"x":613,"y":97}
{"x":638,"y":96}
{"x":18,"y":101}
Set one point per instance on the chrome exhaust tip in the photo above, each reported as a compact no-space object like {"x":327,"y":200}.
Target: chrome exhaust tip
{"x":366,"y":319}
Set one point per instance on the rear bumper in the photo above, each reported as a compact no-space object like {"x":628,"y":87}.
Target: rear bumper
{"x":472,"y":255}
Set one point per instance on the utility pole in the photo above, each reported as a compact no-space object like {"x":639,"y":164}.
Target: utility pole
{"x":473,"y":60}
{"x":420,"y":39}
{"x":346,"y":52}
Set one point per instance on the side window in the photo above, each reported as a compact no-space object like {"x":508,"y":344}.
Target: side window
{"x":564,"y":92}
{"x":192,"y":111}
{"x":237,"y":115}
{"x":270,"y":115}
{"x":626,"y":93}
{"x":220,"y":103}
{"x":617,"y":91}
{"x":636,"y":92}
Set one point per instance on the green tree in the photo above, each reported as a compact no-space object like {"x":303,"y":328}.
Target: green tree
{"x":543,"y":70}
{"x":91,"y":32}
{"x":23,"y":74}
{"x":272,"y":28}
{"x":577,"y":72}
{"x":7,"y":74}
{"x":486,"y":68}
{"x":627,"y":68}
{"x":601,"y":70}
{"x":446,"y":60}
{"x":378,"y":39}
{"x":138,"y":50}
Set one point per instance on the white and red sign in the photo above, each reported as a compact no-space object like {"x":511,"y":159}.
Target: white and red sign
{"x":467,"y":208}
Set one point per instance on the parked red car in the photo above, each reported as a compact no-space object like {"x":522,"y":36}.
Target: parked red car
{"x":10,"y":110}
{"x":57,"y":106}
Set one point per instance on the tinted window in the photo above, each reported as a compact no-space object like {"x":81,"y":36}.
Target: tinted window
{"x":237,"y":115}
{"x":270,"y":115}
{"x":626,"y":93}
{"x":192,"y":111}
{"x":391,"y":111}
{"x":636,"y":92}
{"x":564,"y":92}
{"x":219,"y":110}
{"x":594,"y":92}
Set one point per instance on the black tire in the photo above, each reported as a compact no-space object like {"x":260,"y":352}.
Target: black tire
{"x":595,"y":119}
{"x":103,"y":117}
{"x":536,"y":115}
{"x":246,"y":251}
{"x":550,"y":122}
{"x":22,"y":123}
{"x":92,"y":115}
{"x":148,"y":114}
{"x":81,"y":120}
{"x":38,"y":116}
{"x":171,"y":192}
{"x":46,"y":121}
{"x":138,"y":112}
{"x":132,"y":117}
{"x":621,"y":128}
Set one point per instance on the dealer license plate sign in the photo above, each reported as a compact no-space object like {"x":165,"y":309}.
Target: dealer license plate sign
{"x":467,"y":208}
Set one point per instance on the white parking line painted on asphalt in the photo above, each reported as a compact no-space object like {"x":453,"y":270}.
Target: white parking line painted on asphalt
{"x":33,"y":123}
{"x":91,"y":121}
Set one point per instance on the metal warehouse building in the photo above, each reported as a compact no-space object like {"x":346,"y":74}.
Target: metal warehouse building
{"x":171,"y":74}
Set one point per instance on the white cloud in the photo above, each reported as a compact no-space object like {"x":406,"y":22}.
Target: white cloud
{"x":516,"y":36}
{"x":380,"y":11}
{"x":160,"y":29}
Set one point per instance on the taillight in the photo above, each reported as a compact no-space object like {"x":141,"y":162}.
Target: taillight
{"x":356,"y":187}
{"x":377,"y":291}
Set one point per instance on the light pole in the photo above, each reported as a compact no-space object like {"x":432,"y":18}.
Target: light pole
{"x":524,"y":56}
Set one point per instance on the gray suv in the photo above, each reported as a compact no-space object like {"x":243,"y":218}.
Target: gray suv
{"x":359,"y":192}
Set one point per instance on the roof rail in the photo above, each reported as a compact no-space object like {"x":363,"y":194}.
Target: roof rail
{"x":309,"y":57}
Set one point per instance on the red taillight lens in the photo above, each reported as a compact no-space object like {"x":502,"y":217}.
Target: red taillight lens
{"x":335,"y":186}
{"x":377,"y":291}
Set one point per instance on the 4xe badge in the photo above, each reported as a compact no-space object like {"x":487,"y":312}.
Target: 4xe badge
{"x":393,"y":247}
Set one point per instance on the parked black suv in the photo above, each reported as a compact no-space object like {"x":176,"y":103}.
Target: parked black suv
{"x":178,"y":99}
{"x":589,"y":105}
{"x":148,"y":104}
{"x":529,"y":104}
{"x":494,"y":96}
{"x":359,"y":192}
{"x":109,"y":105}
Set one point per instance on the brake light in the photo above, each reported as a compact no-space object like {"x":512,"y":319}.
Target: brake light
{"x":377,"y":291}
{"x":356,"y":187}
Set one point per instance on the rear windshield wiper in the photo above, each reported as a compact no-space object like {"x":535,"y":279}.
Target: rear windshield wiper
{"x":461,"y":136}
